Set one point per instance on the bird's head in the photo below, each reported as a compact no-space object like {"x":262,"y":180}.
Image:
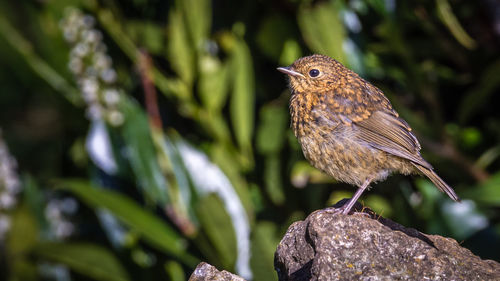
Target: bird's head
{"x":316,"y":73}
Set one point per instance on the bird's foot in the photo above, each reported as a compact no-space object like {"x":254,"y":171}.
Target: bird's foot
{"x":347,"y":207}
{"x":344,"y":210}
{"x":353,"y":211}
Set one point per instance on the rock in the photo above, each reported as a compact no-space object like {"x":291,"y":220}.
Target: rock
{"x":205,"y":272}
{"x":364,"y":246}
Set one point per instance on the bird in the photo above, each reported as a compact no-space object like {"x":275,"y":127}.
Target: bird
{"x":348,"y":129}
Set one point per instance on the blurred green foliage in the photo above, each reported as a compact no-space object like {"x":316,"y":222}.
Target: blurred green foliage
{"x":189,"y":158}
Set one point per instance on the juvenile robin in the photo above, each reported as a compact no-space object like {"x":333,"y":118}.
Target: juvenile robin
{"x":348,"y":129}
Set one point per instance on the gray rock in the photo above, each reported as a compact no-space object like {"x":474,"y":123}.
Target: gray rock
{"x":206,"y":272}
{"x":364,"y":246}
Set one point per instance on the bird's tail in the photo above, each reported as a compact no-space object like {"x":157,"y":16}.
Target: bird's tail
{"x":438,"y":182}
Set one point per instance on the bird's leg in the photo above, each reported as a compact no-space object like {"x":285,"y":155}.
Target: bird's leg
{"x":346,"y":208}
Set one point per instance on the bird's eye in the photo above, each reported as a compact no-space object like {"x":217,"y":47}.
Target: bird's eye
{"x":313,"y":72}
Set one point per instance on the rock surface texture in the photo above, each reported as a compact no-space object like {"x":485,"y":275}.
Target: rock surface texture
{"x":206,"y":272}
{"x":364,"y":246}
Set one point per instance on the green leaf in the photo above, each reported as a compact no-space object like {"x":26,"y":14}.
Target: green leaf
{"x":264,"y":243}
{"x":151,"y":228}
{"x":291,"y":51}
{"x":378,"y":204}
{"x":446,"y":15}
{"x":486,"y":193}
{"x":470,"y":137}
{"x":217,"y":225}
{"x":338,"y":195}
{"x":274,"y":31}
{"x":172,"y":87}
{"x":380,"y":6}
{"x":180,"y":189}
{"x":87,"y":259}
{"x":430,"y":196}
{"x":272,"y":129}
{"x":322,"y":29}
{"x":272,"y":178}
{"x":303,"y":172}
{"x":174,"y":271}
{"x":488,"y":157}
{"x":243,"y":99}
{"x":216,"y":124}
{"x":24,"y":269}
{"x":35,"y":201}
{"x":224,"y":157}
{"x":10,"y":35}
{"x":142,"y":156}
{"x":180,"y":51}
{"x":21,"y":239}
{"x":213,"y":83}
{"x":149,"y":34}
{"x":23,"y":233}
{"x":198,"y":16}
{"x":115,"y":30}
{"x":142,"y":258}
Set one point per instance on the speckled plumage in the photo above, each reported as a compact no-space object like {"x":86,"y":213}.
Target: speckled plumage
{"x":348,"y":129}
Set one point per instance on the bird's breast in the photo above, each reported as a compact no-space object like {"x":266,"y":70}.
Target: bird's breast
{"x":312,"y":114}
{"x":301,"y":108}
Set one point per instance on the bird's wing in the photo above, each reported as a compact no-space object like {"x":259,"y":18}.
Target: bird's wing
{"x":364,"y":106}
{"x":391,"y":134}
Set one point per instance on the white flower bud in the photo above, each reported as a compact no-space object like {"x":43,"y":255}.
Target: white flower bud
{"x":111,"y":97}
{"x":108,"y":75}
{"x":7,"y":201}
{"x":115,"y":118}
{"x":94,"y":112}
{"x":88,"y":21}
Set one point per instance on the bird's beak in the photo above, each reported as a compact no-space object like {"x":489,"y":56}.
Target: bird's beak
{"x":289,"y":71}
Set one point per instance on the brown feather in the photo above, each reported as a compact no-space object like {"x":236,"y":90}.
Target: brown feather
{"x":392,"y":135}
{"x":437,"y":181}
{"x":381,"y":142}
{"x":393,"y":128}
